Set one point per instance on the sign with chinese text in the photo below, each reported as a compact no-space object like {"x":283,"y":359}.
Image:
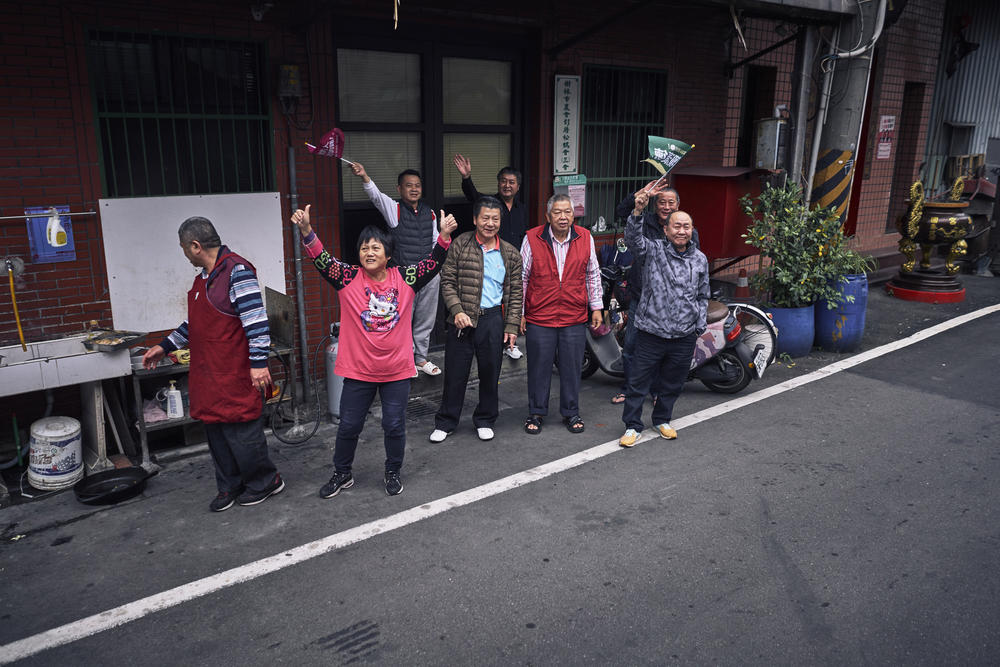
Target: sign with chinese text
{"x":576,"y":187}
{"x":566,"y":127}
{"x":886,"y":130}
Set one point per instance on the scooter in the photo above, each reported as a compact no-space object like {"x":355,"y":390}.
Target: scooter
{"x":722,"y":360}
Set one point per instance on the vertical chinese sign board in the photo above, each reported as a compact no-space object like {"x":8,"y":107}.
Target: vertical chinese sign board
{"x":886,"y":130}
{"x":566,"y":127}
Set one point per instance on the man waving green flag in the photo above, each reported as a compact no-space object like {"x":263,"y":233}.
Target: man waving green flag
{"x":664,"y":154}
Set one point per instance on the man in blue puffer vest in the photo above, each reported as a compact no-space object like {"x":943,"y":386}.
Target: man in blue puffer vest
{"x":414,"y":230}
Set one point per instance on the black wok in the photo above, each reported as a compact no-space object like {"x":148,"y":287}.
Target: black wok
{"x":111,"y":486}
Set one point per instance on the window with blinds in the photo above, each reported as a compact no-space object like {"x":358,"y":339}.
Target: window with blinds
{"x":620,"y":108}
{"x":477,"y":120}
{"x":180,"y":115}
{"x":380,"y":89}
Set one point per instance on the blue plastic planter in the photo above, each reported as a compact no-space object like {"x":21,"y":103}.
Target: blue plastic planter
{"x":796,"y":330}
{"x":841,"y":329}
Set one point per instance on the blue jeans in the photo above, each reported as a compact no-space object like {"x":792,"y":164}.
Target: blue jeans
{"x":355,"y":400}
{"x":664,"y":360}
{"x":542,"y":343}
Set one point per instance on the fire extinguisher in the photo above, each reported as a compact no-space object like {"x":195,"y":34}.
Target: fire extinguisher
{"x":334,"y":383}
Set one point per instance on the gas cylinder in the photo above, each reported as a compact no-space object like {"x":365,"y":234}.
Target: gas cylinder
{"x":334,"y":383}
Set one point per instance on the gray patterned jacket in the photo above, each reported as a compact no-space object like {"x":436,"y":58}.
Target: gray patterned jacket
{"x":675,"y":290}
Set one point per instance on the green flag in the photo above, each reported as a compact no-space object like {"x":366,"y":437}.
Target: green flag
{"x":664,"y":154}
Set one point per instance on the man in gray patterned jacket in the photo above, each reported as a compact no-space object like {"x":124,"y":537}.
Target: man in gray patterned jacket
{"x":669,"y":318}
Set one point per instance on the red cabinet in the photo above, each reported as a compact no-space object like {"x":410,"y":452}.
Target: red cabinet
{"x":711,"y":195}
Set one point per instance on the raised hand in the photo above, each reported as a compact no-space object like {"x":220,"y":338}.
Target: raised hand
{"x":641,"y":199}
{"x":359,"y":171}
{"x":448,"y":225}
{"x":646,"y":188}
{"x":301,"y":220}
{"x":463,"y":165}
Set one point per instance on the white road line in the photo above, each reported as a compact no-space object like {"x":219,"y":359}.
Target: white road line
{"x":132,"y":611}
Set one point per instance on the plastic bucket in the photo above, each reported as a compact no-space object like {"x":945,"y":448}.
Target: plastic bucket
{"x":840,"y":329}
{"x":796,"y":330}
{"x":55,"y":456}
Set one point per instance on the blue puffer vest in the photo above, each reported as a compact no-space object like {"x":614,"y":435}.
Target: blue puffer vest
{"x":412,"y":236}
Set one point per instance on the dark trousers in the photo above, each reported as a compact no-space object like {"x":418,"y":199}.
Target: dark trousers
{"x":663,"y":360}
{"x":485,"y":343}
{"x":239,"y":451}
{"x":542,"y":343}
{"x":355,"y":400}
{"x":628,"y":349}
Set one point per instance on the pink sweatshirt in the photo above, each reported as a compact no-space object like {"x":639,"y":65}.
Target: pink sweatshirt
{"x":376,"y":330}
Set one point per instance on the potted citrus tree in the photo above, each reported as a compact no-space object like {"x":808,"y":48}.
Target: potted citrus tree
{"x":798,"y":248}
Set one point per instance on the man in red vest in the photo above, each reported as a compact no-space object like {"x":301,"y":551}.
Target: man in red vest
{"x":562,"y":283}
{"x":228,"y":336}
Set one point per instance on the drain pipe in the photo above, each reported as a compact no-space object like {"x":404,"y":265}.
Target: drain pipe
{"x":804,"y":56}
{"x":824,"y":102}
{"x":300,"y":305}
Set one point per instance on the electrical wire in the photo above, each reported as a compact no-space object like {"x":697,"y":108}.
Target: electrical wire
{"x":276,"y":413}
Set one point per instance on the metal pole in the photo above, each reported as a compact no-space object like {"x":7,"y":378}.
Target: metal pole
{"x":300,"y":304}
{"x":804,"y":62}
{"x":819,"y":122}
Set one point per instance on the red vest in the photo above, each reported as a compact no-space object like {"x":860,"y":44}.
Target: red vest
{"x":219,"y":383}
{"x":548,"y":301}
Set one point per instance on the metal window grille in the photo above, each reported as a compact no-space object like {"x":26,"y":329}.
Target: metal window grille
{"x":621,"y":106}
{"x":180,"y":115}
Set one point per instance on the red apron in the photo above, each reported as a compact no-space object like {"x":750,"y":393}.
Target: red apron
{"x":219,"y":383}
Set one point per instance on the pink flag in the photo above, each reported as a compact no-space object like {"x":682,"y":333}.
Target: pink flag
{"x":331,"y":145}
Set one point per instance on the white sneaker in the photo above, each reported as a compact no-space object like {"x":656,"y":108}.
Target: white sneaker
{"x":437,"y":435}
{"x":484,"y":433}
{"x":513,"y":352}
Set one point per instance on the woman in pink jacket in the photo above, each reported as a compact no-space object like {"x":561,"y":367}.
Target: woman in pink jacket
{"x":376,"y":342}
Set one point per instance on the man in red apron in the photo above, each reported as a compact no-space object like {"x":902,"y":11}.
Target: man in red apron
{"x":228,"y":336}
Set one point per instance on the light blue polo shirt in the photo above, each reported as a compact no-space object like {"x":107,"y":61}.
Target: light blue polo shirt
{"x":493,"y":274}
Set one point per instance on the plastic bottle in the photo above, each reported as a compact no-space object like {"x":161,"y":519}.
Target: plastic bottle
{"x":55,"y":234}
{"x":175,"y":405}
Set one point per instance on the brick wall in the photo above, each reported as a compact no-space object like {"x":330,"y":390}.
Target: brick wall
{"x":48,"y":153}
{"x":908,"y":53}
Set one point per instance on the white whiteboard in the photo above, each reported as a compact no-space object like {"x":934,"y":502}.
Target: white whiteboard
{"x":148,"y":275}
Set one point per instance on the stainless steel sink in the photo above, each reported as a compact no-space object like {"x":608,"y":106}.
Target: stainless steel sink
{"x":57,"y":363}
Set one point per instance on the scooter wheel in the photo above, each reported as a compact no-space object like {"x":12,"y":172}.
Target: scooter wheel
{"x":590,"y":364}
{"x":738,"y":374}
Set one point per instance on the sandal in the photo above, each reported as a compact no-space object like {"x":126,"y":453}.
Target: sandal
{"x":618,"y":398}
{"x":533,"y":424}
{"x":429,"y":368}
{"x":573,"y":424}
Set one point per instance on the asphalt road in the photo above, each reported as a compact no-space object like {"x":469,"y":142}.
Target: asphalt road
{"x":852,"y":520}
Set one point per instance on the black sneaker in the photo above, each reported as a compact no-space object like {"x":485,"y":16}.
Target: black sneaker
{"x":249,"y":497}
{"x":393,"y":485}
{"x":339,"y":481}
{"x":222,"y":502}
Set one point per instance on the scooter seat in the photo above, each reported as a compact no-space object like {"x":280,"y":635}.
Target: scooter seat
{"x":717,"y":311}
